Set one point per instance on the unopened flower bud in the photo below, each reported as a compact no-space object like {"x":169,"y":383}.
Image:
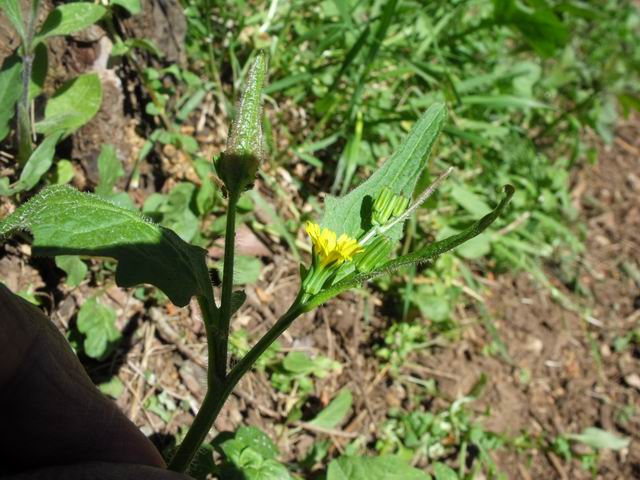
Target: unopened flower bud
{"x":238,"y":165}
{"x":373,"y":255}
{"x":388,"y":205}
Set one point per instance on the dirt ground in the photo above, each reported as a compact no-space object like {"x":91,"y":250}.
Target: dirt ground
{"x":575,"y":377}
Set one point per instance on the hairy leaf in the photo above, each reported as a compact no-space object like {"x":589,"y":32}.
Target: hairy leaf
{"x":351,"y":214}
{"x":64,"y":221}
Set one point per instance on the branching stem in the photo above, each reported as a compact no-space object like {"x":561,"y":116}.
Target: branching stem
{"x":217,"y":395}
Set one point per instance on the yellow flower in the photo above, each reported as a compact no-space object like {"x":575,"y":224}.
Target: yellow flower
{"x":329,"y":249}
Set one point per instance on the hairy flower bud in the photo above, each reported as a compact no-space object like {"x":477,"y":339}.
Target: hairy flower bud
{"x":238,"y":165}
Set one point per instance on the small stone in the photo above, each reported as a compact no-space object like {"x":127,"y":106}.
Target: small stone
{"x":633,"y":380}
{"x":535,"y":346}
{"x":581,"y":449}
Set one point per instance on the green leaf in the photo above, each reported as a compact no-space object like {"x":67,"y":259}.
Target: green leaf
{"x":422,"y":255}
{"x":335,"y":412}
{"x":434,"y":307}
{"x":476,"y":247}
{"x":64,"y":221}
{"x":246,"y":270}
{"x":503,"y":101}
{"x":351,"y":214}
{"x":113,"y":387}
{"x":598,"y":438}
{"x":444,"y":472}
{"x":10,"y":91}
{"x":64,"y":172}
{"x":109,"y":168}
{"x":73,"y":105}
{"x":13,"y":11}
{"x":174,"y":210}
{"x":75,"y":268}
{"x":98,"y":323}
{"x":373,"y":468}
{"x":131,"y":6}
{"x":298,"y":362}
{"x":38,"y":164}
{"x":470,"y":201}
{"x":539,"y":25}
{"x":253,"y":438}
{"x":70,"y":18}
{"x":252,"y":454}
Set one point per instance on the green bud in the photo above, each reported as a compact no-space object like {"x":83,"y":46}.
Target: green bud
{"x":388,"y":205}
{"x":238,"y":165}
{"x":374,"y":255}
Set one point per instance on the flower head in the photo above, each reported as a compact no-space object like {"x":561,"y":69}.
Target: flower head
{"x":329,"y":249}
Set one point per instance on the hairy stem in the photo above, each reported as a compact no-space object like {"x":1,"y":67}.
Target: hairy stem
{"x":217,"y":396}
{"x":227,"y":282}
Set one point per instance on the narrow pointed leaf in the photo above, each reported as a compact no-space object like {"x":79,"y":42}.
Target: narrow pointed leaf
{"x":351,"y":214}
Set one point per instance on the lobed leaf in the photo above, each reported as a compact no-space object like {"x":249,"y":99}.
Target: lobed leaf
{"x":64,"y":221}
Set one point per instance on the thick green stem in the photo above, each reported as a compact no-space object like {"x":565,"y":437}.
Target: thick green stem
{"x":216,"y":397}
{"x":227,"y":282}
